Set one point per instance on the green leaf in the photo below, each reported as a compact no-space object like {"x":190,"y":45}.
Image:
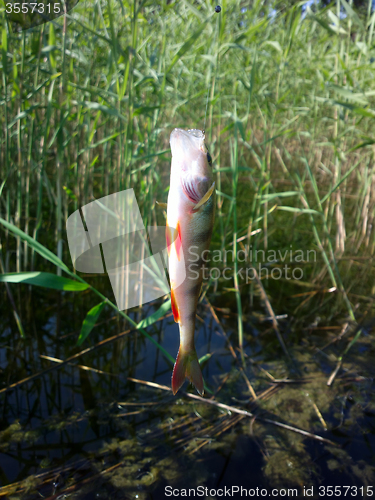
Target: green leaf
{"x":144,"y":110}
{"x":335,"y":26}
{"x":2,"y":185}
{"x":38,"y":247}
{"x":271,"y":196}
{"x":89,"y":321}
{"x":96,"y":144}
{"x":104,"y":109}
{"x":220,"y":193}
{"x":353,"y":15}
{"x":46,"y":280}
{"x":299,"y":210}
{"x":204,"y":358}
{"x":77,"y":54}
{"x":322,"y":23}
{"x":368,"y":113}
{"x":273,"y":44}
{"x":342,"y":178}
{"x":49,"y":48}
{"x":364,"y":144}
{"x":22,"y":114}
{"x":347,"y":93}
{"x":163,"y":309}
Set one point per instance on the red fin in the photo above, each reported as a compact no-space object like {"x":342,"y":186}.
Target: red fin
{"x":178,"y":242}
{"x":187,"y":366}
{"x":175,"y":311}
{"x":173,"y":235}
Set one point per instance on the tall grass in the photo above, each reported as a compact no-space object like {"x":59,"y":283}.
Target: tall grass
{"x":88,"y":103}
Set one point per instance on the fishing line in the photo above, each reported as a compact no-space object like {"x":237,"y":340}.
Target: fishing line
{"x":217,"y":10}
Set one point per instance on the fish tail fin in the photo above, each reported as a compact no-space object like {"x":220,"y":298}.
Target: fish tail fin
{"x":187,"y":366}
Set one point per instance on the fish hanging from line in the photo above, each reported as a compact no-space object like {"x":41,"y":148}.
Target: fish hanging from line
{"x":190,"y":219}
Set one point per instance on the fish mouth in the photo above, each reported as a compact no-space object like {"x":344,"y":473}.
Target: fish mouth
{"x":187,"y":140}
{"x":199,"y":134}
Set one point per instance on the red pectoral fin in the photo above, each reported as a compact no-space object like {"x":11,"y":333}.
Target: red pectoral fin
{"x":173,"y":236}
{"x":175,"y":311}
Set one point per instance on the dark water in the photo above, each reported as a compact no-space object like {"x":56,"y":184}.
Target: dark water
{"x":99,"y":435}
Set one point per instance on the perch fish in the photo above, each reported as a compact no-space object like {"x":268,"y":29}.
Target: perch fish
{"x":190,"y":219}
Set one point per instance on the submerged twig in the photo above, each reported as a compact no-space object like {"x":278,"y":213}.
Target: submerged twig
{"x":344,"y":330}
{"x":82,"y":367}
{"x":238,"y":410}
{"x":219,"y":429}
{"x":283,"y":380}
{"x":334,"y":373}
{"x":320,"y":416}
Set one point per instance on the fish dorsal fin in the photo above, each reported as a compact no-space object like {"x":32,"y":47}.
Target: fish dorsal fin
{"x":162,"y":205}
{"x":205,"y":198}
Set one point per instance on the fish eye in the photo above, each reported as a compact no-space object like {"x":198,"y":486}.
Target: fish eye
{"x":209,"y":159}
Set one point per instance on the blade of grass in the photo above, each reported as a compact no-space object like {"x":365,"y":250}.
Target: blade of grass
{"x":89,"y":322}
{"x":45,"y":280}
